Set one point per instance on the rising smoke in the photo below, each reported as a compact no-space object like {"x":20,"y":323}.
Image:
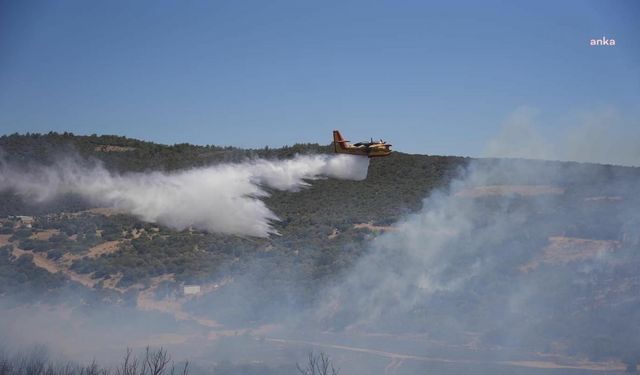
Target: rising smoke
{"x":511,"y":255}
{"x":469,"y":267}
{"x":224,"y":198}
{"x":599,"y":136}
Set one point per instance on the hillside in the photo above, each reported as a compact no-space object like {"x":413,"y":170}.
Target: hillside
{"x":565,"y":228}
{"x":308,"y":218}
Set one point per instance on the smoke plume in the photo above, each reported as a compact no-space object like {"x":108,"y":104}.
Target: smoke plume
{"x":513,"y":252}
{"x":601,"y":136}
{"x":223,"y":198}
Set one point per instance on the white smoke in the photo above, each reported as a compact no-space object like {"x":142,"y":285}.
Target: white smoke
{"x":600,"y":136}
{"x":222,"y":198}
{"x":459,"y":264}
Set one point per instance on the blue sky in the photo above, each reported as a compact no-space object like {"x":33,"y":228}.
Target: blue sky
{"x":430,"y":77}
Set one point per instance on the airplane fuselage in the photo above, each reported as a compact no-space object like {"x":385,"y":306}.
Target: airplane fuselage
{"x":369,"y":149}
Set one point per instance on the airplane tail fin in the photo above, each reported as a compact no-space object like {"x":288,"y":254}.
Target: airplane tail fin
{"x":339,"y":143}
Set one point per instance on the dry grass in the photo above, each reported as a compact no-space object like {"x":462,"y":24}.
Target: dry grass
{"x":45,"y":234}
{"x":103,"y":248}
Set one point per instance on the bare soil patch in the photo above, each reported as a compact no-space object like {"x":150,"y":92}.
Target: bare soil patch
{"x":4,"y":239}
{"x":563,"y":250}
{"x":103,"y":248}
{"x":45,"y":234}
{"x":170,"y":305}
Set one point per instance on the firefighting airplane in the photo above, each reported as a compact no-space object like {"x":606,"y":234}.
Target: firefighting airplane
{"x":370,"y":149}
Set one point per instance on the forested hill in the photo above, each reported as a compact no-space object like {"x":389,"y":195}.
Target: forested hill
{"x":127,"y":154}
{"x":565,"y":225}
{"x":395,"y":185}
{"x":317,"y":222}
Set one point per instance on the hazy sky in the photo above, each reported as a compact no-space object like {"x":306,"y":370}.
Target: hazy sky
{"x":430,"y":77}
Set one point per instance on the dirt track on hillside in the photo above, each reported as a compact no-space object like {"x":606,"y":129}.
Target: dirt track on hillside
{"x":171,"y":305}
{"x":49,"y":265}
{"x":398,"y":358}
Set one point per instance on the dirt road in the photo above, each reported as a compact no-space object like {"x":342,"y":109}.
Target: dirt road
{"x":396,"y":359}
